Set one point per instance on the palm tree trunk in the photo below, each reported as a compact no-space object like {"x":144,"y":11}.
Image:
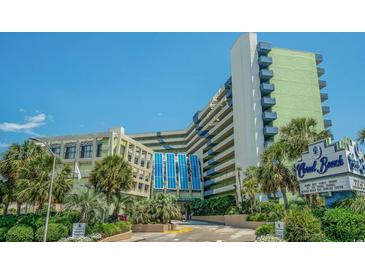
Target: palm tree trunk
{"x":117,"y":207}
{"x":18,"y":208}
{"x":6,"y":209}
{"x":285,"y":197}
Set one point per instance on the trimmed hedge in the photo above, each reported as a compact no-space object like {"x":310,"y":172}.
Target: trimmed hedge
{"x":110,"y":229}
{"x":55,"y":232}
{"x":344,"y":225}
{"x":3,"y":232}
{"x":214,"y":206}
{"x":266,"y":229}
{"x":8,"y":220}
{"x":302,"y":226}
{"x":268,"y":212}
{"x":20,"y":233}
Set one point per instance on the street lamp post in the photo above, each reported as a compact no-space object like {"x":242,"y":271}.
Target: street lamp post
{"x":50,"y":187}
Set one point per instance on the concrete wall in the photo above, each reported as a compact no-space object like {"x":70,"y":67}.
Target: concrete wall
{"x":247,"y":111}
{"x":238,"y":220}
{"x":213,"y":219}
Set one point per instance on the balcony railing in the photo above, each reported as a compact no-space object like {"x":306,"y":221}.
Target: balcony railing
{"x":267,"y":102}
{"x":270,"y":131}
{"x":319,"y":58}
{"x":327,"y":123}
{"x":265,"y":61}
{"x":269,"y":116}
{"x":326,"y":110}
{"x":266,"y":74}
{"x":266,"y":88}
{"x":324,"y":97}
{"x":320,"y":71}
{"x":264,"y":48}
{"x":322,"y":84}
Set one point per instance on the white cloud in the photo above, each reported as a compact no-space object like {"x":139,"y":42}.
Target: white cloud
{"x":32,"y":122}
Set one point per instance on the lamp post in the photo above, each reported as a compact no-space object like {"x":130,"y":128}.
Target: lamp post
{"x":40,"y":142}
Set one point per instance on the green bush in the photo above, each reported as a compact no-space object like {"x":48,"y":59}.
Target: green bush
{"x":20,"y":233}
{"x":3,"y":231}
{"x":55,"y":232}
{"x":266,"y":229}
{"x":268,"y":212}
{"x":124,"y":226}
{"x":109,"y":229}
{"x":269,"y":238}
{"x":213,"y":206}
{"x":344,"y":225}
{"x":29,"y":220}
{"x":8,"y":220}
{"x":302,"y":226}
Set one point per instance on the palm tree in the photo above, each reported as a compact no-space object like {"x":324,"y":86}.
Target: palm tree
{"x":298,"y":134}
{"x":88,"y":203}
{"x":35,"y":178}
{"x":251,"y":184}
{"x":275,"y":174}
{"x":112,"y":176}
{"x":14,"y":160}
{"x":164,"y":208}
{"x":361,"y":137}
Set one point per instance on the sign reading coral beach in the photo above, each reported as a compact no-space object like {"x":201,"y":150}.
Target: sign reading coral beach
{"x":330,"y":167}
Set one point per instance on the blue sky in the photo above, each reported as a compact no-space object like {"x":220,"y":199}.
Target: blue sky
{"x":67,"y":83}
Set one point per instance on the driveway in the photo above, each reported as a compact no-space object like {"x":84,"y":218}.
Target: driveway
{"x":196,"y":231}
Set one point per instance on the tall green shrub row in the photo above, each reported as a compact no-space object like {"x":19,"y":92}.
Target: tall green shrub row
{"x":213,"y":206}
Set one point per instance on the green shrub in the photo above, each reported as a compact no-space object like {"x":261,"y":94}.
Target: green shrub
{"x":344,"y":225}
{"x":8,"y":220}
{"x":109,"y":229}
{"x":71,"y":215}
{"x":124,"y":226}
{"x":266,"y":229}
{"x":213,"y":206}
{"x":29,"y":220}
{"x":20,"y":233}
{"x":55,"y":232}
{"x":3,"y":231}
{"x":268,"y":212}
{"x":302,"y":226}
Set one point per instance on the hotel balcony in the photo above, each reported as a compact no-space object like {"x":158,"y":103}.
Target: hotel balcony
{"x":264,"y":48}
{"x":267,"y":102}
{"x":319,"y":58}
{"x":266,"y":88}
{"x":324,"y":97}
{"x":270,"y":131}
{"x":320,"y":72}
{"x":326,"y":110}
{"x":265,"y":61}
{"x":322,"y":84}
{"x":266,"y":74}
{"x":327,"y":123}
{"x":269,"y":116}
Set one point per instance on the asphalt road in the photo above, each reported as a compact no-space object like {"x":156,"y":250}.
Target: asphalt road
{"x":194,"y":231}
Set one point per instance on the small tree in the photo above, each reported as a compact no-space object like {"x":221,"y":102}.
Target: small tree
{"x":112,"y":176}
{"x":361,"y":137}
{"x":251,"y":185}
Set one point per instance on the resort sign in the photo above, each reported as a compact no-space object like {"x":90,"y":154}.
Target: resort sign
{"x":331,"y":167}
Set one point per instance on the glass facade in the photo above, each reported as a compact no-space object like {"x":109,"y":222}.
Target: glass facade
{"x":195,"y":172}
{"x":183,"y":172}
{"x":158,"y":173}
{"x":171,"y":171}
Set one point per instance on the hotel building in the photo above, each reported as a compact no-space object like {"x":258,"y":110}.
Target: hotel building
{"x":268,"y":87}
{"x":87,"y":149}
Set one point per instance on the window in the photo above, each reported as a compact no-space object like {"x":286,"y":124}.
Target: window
{"x":56,"y":149}
{"x":86,"y":150}
{"x":70,"y":151}
{"x":146,"y":187}
{"x":99,"y":149}
{"x":140,"y":187}
{"x":130,"y":152}
{"x":149,"y":156}
{"x":143,"y":158}
{"x":137,"y":155}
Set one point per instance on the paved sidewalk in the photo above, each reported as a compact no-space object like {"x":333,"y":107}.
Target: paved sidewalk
{"x":194,"y":231}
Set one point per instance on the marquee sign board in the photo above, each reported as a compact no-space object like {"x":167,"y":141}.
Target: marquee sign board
{"x":331,"y":167}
